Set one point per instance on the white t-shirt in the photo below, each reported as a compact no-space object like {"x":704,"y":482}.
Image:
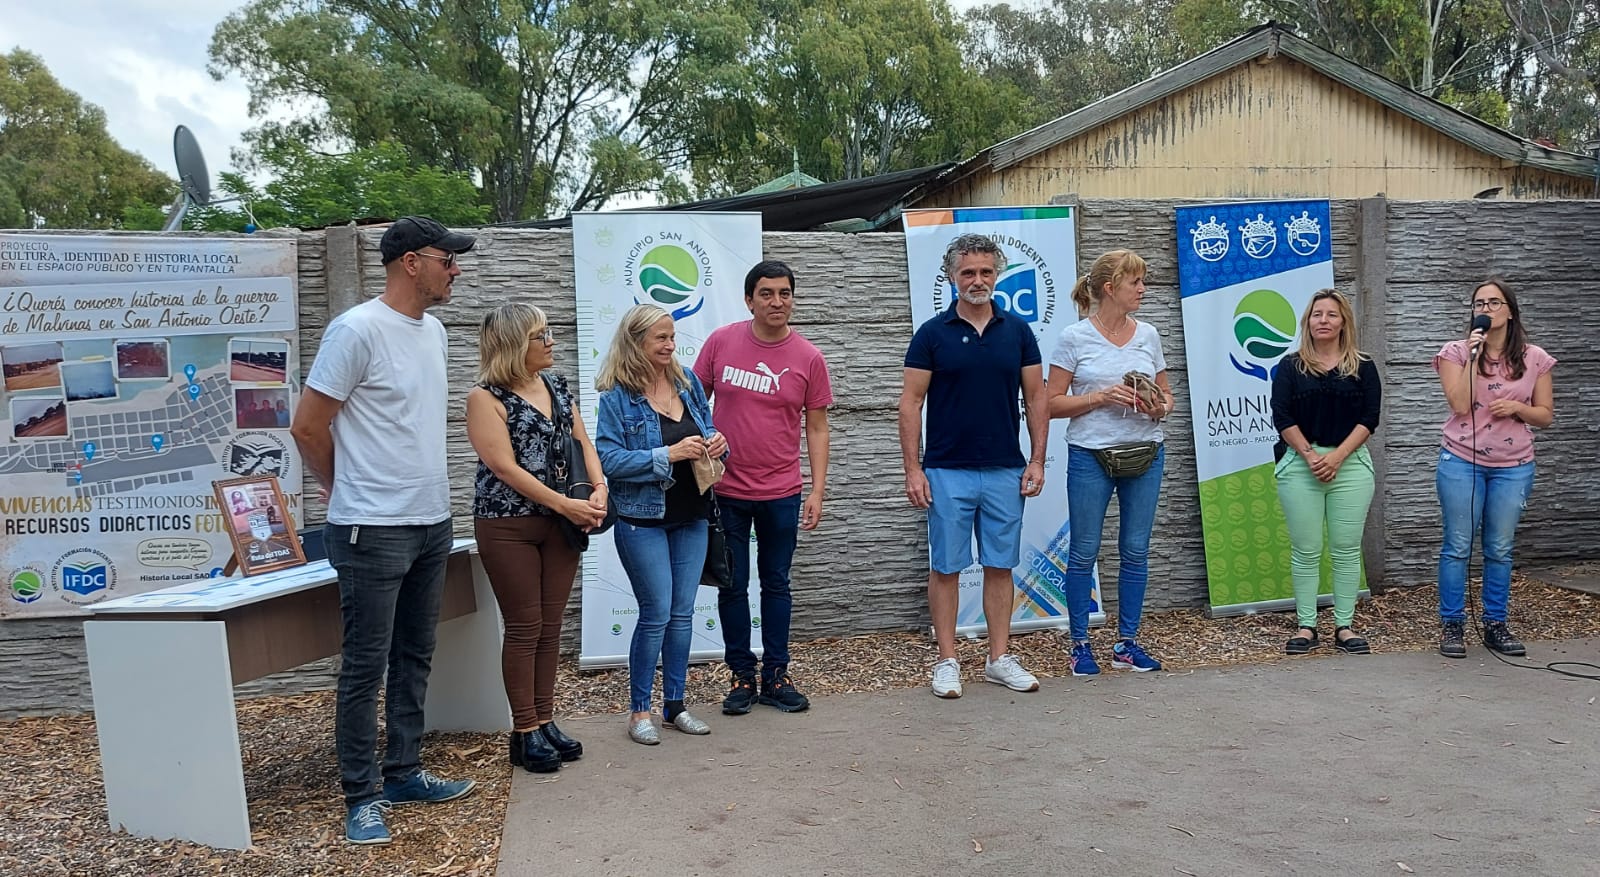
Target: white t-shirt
{"x":1096,"y":364}
{"x":388,"y":440}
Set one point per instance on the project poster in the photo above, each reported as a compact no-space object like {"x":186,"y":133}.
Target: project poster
{"x":1036,"y":287}
{"x":137,"y":371}
{"x":693,"y":266}
{"x":1246,"y":271}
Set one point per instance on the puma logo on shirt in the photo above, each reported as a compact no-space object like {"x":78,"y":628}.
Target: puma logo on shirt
{"x":766,"y":382}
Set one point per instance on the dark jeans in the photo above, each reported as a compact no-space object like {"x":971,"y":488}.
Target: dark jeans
{"x":390,"y":583}
{"x":777,"y":526}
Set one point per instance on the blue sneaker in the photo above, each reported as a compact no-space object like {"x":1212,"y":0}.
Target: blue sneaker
{"x":1083,"y":661}
{"x":1127,"y":655}
{"x":364,"y":823}
{"x":423,"y":787}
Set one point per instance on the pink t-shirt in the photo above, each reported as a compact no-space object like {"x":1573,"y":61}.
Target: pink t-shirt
{"x":1497,"y":441}
{"x":760,"y":390}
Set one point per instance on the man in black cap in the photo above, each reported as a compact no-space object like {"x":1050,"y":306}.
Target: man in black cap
{"x":371,"y":428}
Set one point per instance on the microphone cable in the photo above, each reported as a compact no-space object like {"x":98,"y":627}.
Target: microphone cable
{"x":1477,"y":535}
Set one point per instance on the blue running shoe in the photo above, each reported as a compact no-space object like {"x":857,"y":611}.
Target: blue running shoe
{"x":364,"y":823}
{"x":1127,"y":655}
{"x":425,"y":788}
{"x":1083,"y":661}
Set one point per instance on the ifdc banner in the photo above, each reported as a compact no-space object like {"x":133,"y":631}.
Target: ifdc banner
{"x":1041,"y":246}
{"x":1245,"y":272}
{"x":693,"y":266}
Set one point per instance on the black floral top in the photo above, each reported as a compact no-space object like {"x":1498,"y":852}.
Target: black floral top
{"x":536,"y":442}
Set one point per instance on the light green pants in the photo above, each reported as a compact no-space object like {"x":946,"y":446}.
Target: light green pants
{"x":1332,"y":514}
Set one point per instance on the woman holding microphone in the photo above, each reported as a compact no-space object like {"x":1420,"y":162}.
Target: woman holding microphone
{"x":1325,"y":405}
{"x":1499,"y":388}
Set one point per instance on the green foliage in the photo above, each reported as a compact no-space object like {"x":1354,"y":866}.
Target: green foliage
{"x":59,"y":168}
{"x":551,"y":104}
{"x":310,"y":190}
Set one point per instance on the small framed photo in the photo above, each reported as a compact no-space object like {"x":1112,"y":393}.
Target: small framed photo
{"x":263,"y":534}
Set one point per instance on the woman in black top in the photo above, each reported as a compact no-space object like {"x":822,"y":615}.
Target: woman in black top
{"x":518,"y":420}
{"x":1325,"y":403}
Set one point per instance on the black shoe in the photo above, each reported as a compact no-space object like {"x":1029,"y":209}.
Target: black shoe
{"x":537,"y":755}
{"x":741,"y":697}
{"x":1452,"y":639}
{"x":566,"y":747}
{"x":1500,"y":638}
{"x":778,"y":691}
{"x":1300,"y":645}
{"x":1352,"y":644}
{"x":516,"y":748}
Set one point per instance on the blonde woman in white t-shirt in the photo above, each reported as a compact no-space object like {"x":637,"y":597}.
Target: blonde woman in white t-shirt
{"x":1114,"y":446}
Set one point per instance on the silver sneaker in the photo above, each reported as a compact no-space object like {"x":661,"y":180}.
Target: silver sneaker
{"x":1007,"y":670}
{"x":689,"y":724}
{"x":644,"y":731}
{"x":947,"y":678}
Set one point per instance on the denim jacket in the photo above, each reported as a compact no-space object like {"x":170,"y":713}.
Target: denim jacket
{"x":628,"y":439}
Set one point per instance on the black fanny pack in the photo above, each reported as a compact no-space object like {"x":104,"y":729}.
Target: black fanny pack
{"x":1127,"y":461}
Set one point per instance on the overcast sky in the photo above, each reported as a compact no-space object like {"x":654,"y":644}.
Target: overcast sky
{"x":144,"y":63}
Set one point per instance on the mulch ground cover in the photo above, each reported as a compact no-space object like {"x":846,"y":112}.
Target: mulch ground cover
{"x":53,"y":818}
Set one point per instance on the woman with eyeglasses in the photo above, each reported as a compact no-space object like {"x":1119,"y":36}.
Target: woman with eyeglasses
{"x":519,"y":420}
{"x":1499,"y":388}
{"x":1326,"y":399}
{"x":654,"y":422}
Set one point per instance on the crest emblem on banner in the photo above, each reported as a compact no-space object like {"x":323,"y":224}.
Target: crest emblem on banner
{"x":1305,"y":234}
{"x":1209,"y":239}
{"x":1258,"y":236}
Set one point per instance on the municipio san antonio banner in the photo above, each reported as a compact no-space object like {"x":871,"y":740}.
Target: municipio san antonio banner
{"x":1246,"y":271}
{"x":693,"y":266}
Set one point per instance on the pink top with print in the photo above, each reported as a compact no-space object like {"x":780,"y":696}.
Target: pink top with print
{"x":1497,"y":441}
{"x":759,"y":390}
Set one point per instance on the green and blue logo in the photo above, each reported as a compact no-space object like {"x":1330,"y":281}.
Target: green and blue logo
{"x":27,"y":586}
{"x":1264,"y":326}
{"x":669,"y":276}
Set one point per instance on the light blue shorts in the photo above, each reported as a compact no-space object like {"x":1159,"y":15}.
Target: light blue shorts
{"x":986,"y":501}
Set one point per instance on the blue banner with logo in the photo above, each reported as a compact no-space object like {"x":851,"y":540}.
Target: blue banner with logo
{"x":1040,"y":244}
{"x":1246,"y":271}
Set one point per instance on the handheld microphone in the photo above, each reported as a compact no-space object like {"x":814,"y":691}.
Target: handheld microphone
{"x":1480,"y":322}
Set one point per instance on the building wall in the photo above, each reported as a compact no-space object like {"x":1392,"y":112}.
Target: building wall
{"x":1411,"y":266}
{"x":1264,"y":129}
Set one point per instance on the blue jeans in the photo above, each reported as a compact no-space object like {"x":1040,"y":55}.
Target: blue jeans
{"x":777,"y":526}
{"x":1089,"y":492}
{"x":390,"y":582}
{"x":1474,"y":498}
{"x":663,"y":565}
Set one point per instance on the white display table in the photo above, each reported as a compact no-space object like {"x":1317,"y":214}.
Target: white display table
{"x":163,"y":666}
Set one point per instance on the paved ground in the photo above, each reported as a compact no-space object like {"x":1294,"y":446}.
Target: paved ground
{"x":1323,"y":765}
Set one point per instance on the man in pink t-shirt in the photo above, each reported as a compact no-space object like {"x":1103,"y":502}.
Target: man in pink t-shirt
{"x":763,"y":377}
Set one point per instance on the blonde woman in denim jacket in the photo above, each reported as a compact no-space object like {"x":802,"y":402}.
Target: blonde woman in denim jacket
{"x":654,"y":423}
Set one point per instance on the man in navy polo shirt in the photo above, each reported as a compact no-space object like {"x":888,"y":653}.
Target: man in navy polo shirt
{"x":969,"y":364}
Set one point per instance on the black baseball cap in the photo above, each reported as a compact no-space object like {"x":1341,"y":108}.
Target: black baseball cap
{"x":411,"y":233}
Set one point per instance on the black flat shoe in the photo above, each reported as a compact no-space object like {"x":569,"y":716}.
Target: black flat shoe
{"x":538,"y":756}
{"x":516,"y":748}
{"x":568,"y":748}
{"x":1300,"y":645}
{"x":1352,"y":644}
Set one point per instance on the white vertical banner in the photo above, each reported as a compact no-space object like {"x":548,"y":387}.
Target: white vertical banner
{"x":1041,"y":246}
{"x":693,"y":266}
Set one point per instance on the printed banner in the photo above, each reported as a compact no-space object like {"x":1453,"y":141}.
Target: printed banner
{"x":137,"y":371}
{"x":1041,"y":244}
{"x":692,"y":265}
{"x":1246,"y":271}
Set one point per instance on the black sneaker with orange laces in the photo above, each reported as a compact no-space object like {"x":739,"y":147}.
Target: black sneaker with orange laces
{"x":778,"y":691}
{"x":741,"y":697}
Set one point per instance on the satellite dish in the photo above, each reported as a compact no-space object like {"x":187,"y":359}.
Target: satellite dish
{"x":194,"y":181}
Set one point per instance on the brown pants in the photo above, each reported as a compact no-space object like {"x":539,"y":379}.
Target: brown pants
{"x":531,"y":568}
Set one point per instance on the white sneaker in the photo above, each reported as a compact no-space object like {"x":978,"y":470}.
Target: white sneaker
{"x":947,"y":678}
{"x":1007,"y":670}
